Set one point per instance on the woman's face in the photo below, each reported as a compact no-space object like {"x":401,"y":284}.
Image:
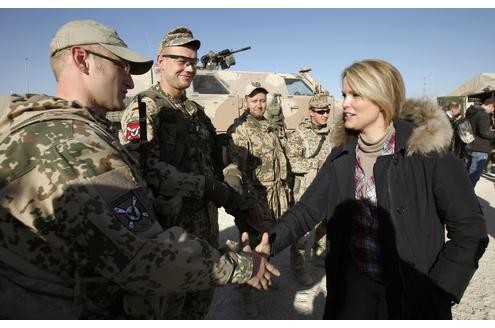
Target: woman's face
{"x":360,"y":114}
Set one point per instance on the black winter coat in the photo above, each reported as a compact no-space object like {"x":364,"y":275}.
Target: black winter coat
{"x":483,"y":135}
{"x":419,"y":195}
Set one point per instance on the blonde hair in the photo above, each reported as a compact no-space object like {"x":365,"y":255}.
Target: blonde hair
{"x":57,"y":61}
{"x":378,"y":81}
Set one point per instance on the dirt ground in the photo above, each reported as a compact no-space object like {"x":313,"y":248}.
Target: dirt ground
{"x":290,"y":300}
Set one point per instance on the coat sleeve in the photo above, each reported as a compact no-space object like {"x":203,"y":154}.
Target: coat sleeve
{"x":306,"y":214}
{"x":462,"y":215}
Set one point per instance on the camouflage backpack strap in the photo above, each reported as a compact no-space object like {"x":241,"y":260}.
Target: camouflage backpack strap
{"x":315,"y":153}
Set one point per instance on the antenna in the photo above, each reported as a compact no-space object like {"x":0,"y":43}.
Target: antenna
{"x":424,"y":87}
{"x":26,"y":73}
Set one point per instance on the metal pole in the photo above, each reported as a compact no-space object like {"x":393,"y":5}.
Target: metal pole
{"x":26,"y":73}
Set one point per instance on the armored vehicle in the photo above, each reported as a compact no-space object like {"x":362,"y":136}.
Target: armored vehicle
{"x":221,"y":91}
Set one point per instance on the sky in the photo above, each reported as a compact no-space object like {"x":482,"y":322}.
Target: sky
{"x":436,"y":50}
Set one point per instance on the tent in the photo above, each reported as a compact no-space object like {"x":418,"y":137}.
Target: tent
{"x":481,"y":83}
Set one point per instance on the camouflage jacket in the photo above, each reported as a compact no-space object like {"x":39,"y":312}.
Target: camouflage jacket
{"x":257,"y":151}
{"x":179,"y":150}
{"x":306,"y":155}
{"x":182,"y":147}
{"x":73,"y":206}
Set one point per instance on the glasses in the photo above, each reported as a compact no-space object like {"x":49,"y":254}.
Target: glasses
{"x":183,"y":61}
{"x":126,"y":66}
{"x":322,"y":111}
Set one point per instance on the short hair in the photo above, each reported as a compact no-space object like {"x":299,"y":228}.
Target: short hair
{"x":378,"y":81}
{"x":489,"y":101}
{"x":57,"y":61}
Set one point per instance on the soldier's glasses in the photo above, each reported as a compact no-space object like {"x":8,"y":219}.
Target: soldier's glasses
{"x":322,"y":111}
{"x":183,"y":61}
{"x":126,"y":66}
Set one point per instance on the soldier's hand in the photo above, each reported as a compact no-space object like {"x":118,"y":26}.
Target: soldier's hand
{"x":233,"y":177}
{"x":262,"y":269}
{"x":221,"y":194}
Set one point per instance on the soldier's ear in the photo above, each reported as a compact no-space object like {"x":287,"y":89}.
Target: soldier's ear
{"x":80,"y":59}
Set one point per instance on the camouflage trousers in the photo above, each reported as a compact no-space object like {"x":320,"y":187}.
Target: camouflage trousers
{"x":298,"y":249}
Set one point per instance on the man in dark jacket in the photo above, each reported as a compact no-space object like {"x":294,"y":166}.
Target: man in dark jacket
{"x":479,"y":150}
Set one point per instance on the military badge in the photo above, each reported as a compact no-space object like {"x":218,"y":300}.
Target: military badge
{"x":132,"y":132}
{"x":132,"y":213}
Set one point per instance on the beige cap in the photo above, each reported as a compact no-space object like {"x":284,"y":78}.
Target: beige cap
{"x":319,"y":100}
{"x":179,"y":36}
{"x":80,"y":32}
{"x":253,"y":86}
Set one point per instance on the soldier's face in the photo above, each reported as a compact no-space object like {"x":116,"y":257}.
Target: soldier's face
{"x":177,"y":67}
{"x":108,"y":82}
{"x":319,"y":116}
{"x":256,"y":104}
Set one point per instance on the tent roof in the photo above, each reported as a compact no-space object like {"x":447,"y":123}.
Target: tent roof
{"x":477,"y":84}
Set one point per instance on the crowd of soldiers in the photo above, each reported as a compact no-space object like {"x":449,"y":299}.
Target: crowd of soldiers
{"x":95,"y":227}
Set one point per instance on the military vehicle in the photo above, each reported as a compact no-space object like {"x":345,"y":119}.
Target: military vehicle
{"x":221,"y":91}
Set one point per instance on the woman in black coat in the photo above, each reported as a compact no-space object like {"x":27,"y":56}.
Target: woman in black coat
{"x":390,"y":188}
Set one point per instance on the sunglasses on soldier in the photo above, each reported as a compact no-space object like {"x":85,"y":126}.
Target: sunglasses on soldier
{"x":321,"y":111}
{"x":126,"y":66}
{"x":183,"y":61}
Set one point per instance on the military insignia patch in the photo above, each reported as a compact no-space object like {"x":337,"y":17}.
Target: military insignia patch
{"x":132,"y":132}
{"x":132,"y":213}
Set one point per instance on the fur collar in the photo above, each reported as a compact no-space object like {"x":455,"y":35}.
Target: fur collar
{"x":432,"y":131}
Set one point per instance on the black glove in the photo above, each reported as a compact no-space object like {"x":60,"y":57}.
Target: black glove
{"x":221,"y":194}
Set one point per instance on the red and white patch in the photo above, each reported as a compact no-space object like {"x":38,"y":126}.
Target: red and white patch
{"x":133,"y":132}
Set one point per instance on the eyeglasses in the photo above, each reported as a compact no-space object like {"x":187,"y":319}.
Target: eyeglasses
{"x":322,"y":111}
{"x":183,"y":61}
{"x":126,"y":66}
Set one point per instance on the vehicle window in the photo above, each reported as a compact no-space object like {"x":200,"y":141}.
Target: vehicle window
{"x":297,"y":87}
{"x":208,"y":84}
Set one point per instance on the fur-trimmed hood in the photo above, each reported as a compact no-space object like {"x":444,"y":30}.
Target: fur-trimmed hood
{"x":432,"y":131}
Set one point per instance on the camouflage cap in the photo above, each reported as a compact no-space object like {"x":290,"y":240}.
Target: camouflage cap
{"x":179,"y":36}
{"x":80,"y":32}
{"x":253,"y":86}
{"x":319,"y":100}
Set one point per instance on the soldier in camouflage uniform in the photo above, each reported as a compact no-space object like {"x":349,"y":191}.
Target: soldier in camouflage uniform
{"x":257,"y":151}
{"x":307,"y":150}
{"x":78,"y":234}
{"x":180,"y":157}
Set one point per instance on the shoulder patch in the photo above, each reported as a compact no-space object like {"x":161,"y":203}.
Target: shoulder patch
{"x":133,"y":131}
{"x":132,"y":213}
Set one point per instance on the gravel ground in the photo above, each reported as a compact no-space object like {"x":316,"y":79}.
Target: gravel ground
{"x":290,"y":300}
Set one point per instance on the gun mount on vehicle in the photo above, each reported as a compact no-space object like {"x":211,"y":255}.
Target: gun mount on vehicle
{"x":223,"y":59}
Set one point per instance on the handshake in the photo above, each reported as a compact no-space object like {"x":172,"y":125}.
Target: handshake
{"x":262,"y":269}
